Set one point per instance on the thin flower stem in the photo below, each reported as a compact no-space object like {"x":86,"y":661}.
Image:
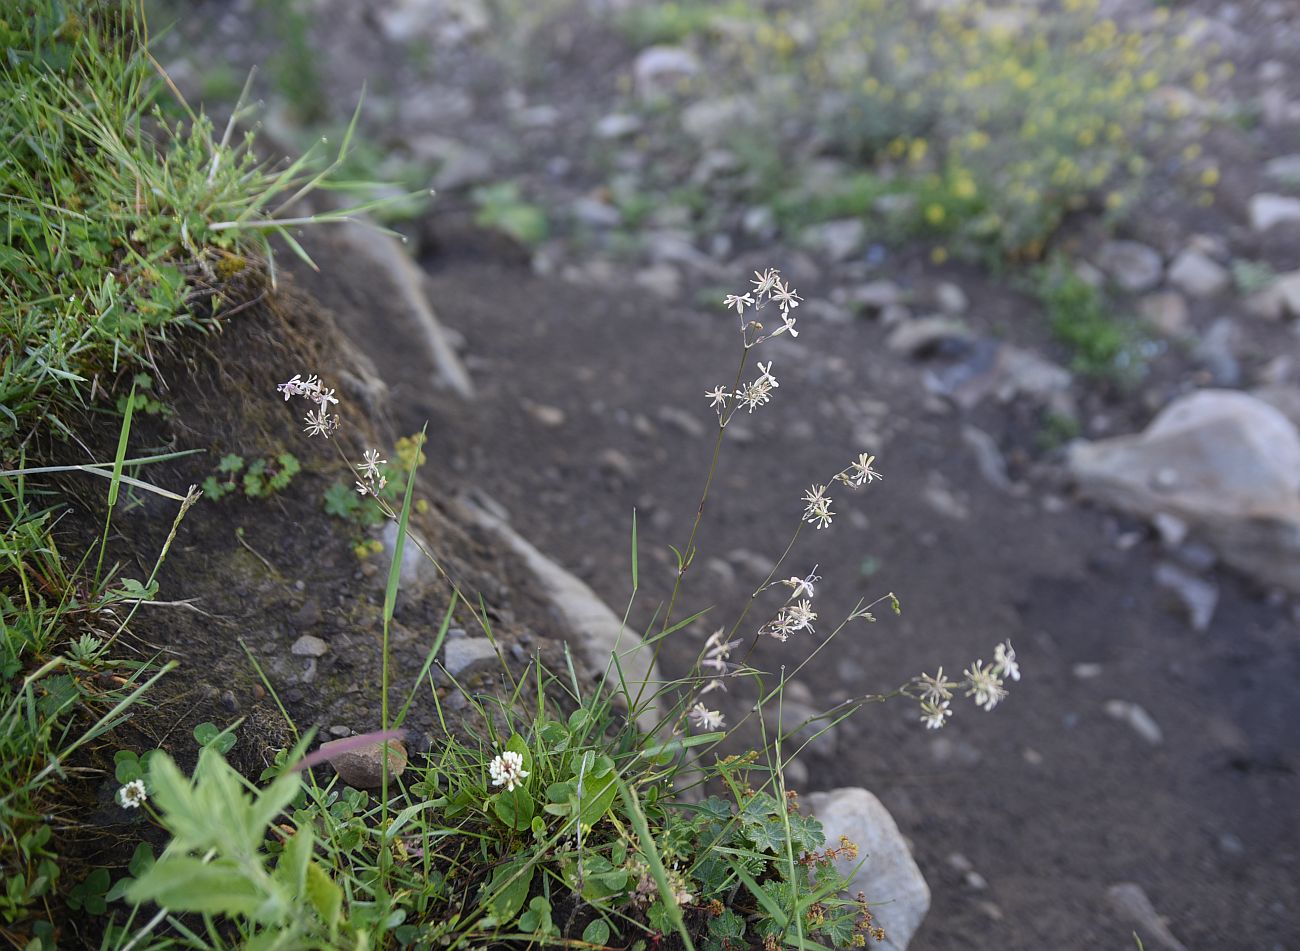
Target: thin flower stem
{"x":685,"y":557}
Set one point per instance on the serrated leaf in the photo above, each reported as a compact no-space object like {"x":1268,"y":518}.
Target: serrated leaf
{"x":325,"y":896}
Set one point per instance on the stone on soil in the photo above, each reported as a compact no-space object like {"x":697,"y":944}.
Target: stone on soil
{"x":1268,"y":211}
{"x":838,"y":240}
{"x":888,"y":875}
{"x":1284,"y":168}
{"x":363,"y":768}
{"x":461,"y":653}
{"x":1143,"y":724}
{"x":915,"y":337}
{"x":1198,"y":596}
{"x":1197,"y":274}
{"x":1132,"y":904}
{"x":1225,"y":462}
{"x":417,"y":573}
{"x":1134,"y":266}
{"x":659,"y":70}
{"x":1166,"y":312}
{"x":309,"y":646}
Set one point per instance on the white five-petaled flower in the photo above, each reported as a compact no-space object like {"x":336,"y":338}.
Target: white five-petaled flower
{"x":785,"y":296}
{"x":787,"y":323}
{"x":781,"y":626}
{"x":738,"y":301}
{"x":935,"y":689}
{"x":291,"y":388}
{"x":860,"y":471}
{"x":765,"y":376}
{"x":320,"y":423}
{"x":801,"y":615}
{"x":803,"y":586}
{"x":718,"y":395}
{"x":765,"y":280}
{"x":934,"y":715}
{"x":1004,"y":661}
{"x":704,"y":718}
{"x":132,"y":795}
{"x":369,"y":466}
{"x":507,"y":770}
{"x":984,"y":685}
{"x":717,"y":650}
{"x":755,"y":394}
{"x":817,"y":509}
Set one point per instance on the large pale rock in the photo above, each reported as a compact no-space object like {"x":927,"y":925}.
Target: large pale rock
{"x":598,"y":631}
{"x":1197,"y":274}
{"x":1134,"y":266}
{"x":1266,"y":211}
{"x":1225,"y":462}
{"x":363,"y":767}
{"x":889,"y":877}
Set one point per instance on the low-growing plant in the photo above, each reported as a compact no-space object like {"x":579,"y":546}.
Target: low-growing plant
{"x":503,"y":208}
{"x":551,"y":811}
{"x":1104,"y":344}
{"x":259,"y":479}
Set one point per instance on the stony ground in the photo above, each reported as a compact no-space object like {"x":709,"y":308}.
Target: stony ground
{"x":1152,"y":740}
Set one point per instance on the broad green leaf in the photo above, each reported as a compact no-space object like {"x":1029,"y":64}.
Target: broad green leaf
{"x":183,"y":883}
{"x":509,"y":889}
{"x":597,"y":932}
{"x":325,"y":896}
{"x":291,"y":870}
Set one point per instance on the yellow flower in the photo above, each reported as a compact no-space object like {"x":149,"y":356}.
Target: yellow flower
{"x":964,"y":188}
{"x":939,"y":255}
{"x":1210,"y":177}
{"x":934,"y":213}
{"x":916,"y":151}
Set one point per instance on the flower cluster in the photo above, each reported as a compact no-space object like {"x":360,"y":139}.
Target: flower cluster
{"x":132,"y":795}
{"x":372,"y":477}
{"x":795,"y":616}
{"x":817,"y":506}
{"x":768,"y":287}
{"x":320,"y":421}
{"x":705,"y":719}
{"x":507,"y":769}
{"x":983,"y":683}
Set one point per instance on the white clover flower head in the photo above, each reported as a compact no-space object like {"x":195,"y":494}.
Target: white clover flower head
{"x":705,"y":719}
{"x":803,"y":587}
{"x":132,"y":795}
{"x":738,"y":301}
{"x":984,"y":685}
{"x":1004,"y":661}
{"x":507,"y":769}
{"x":860,"y":471}
{"x":369,"y":466}
{"x":935,"y":689}
{"x":935,"y":715}
{"x":719,"y":397}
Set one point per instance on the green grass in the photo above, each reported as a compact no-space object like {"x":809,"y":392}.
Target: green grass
{"x":1103,"y":343}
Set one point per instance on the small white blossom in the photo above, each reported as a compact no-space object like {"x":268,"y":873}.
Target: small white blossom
{"x":801,"y":615}
{"x":320,"y":423}
{"x":753,"y":395}
{"x":765,"y":280}
{"x":803,"y":586}
{"x":369,"y":466}
{"x":983,"y":684}
{"x":785,"y":296}
{"x":819,"y":513}
{"x":363,"y":488}
{"x":507,"y":769}
{"x":787,"y":323}
{"x":860,"y":471}
{"x":132,"y":795}
{"x":716,"y":651}
{"x":934,"y":715}
{"x":291,"y":388}
{"x":718,"y":395}
{"x":781,"y":626}
{"x":1004,"y":661}
{"x":766,"y":375}
{"x":322,"y":397}
{"x":738,"y":301}
{"x":936,"y":688}
{"x":705,"y":719}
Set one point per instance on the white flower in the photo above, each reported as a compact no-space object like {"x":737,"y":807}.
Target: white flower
{"x":322,"y":397}
{"x":781,"y":626}
{"x":785,"y":296}
{"x":765,"y":280}
{"x":755,"y":394}
{"x":704,"y":718}
{"x":363,"y":488}
{"x":369,"y":467}
{"x":983,"y":684}
{"x":716,"y":651}
{"x":934,"y":715}
{"x":320,"y":423}
{"x":801,"y":615}
{"x":507,"y":770}
{"x":738,"y":301}
{"x":1004,"y":661}
{"x":861,"y":471}
{"x":787,"y":324}
{"x":766,"y":378}
{"x":803,"y":586}
{"x":818,"y":513}
{"x":718,"y":395}
{"x":291,"y":388}
{"x":714,"y":684}
{"x":132,"y":795}
{"x":936,"y":688}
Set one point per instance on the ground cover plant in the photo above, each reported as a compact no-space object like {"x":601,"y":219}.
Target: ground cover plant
{"x":540,"y":816}
{"x":980,"y":127}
